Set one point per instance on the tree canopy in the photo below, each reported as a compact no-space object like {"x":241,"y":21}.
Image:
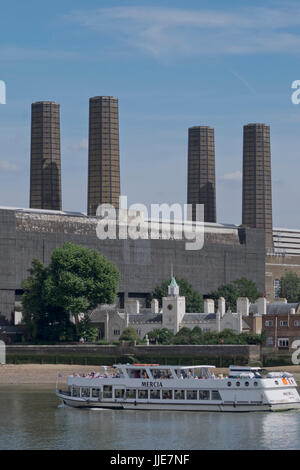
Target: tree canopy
{"x":129,"y":334}
{"x":193,"y":298}
{"x":290,"y":287}
{"x":231,"y":291}
{"x":76,"y":281}
{"x":198,"y":336}
{"x":160,"y":336}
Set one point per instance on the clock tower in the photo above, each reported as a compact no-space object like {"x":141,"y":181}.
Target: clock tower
{"x":173,"y":308}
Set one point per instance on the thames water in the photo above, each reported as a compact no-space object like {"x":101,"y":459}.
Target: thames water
{"x":31,"y":417}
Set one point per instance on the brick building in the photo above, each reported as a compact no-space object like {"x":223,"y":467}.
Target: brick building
{"x":281,"y":323}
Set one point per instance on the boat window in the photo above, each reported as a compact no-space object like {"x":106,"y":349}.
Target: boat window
{"x":85,"y":392}
{"x":255,"y":384}
{"x":202,"y":373}
{"x":134,"y":373}
{"x":179,"y":394}
{"x":95,"y":392}
{"x":203,"y":394}
{"x":107,"y":391}
{"x":228,"y":384}
{"x":215,"y":395}
{"x":119,"y":392}
{"x":191,"y":395}
{"x":144,"y":374}
{"x":76,"y":392}
{"x":238,"y":384}
{"x":155,"y":394}
{"x":276,"y":382}
{"x":119,"y":373}
{"x":143,"y":394}
{"x":131,"y":393}
{"x":185,"y":373}
{"x":161,"y":373}
{"x":167,"y":394}
{"x":247,"y":384}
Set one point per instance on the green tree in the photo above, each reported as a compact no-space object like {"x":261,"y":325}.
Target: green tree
{"x":247,"y":288}
{"x":76,"y":281}
{"x":231,"y":291}
{"x":44,"y":321}
{"x":160,"y":336}
{"x":80,"y":279}
{"x":189,"y":336}
{"x":193,"y":298}
{"x":290,"y":287}
{"x":183,"y":336}
{"x":197,"y":336}
{"x":129,"y":334}
{"x":87,"y":331}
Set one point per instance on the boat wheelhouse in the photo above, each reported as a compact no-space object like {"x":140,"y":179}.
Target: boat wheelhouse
{"x":193,"y":388}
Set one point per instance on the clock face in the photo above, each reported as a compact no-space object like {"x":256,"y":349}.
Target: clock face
{"x":170,"y":306}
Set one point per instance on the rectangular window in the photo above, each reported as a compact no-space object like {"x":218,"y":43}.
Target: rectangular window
{"x":155,"y":394}
{"x":159,"y":374}
{"x":131,"y":393}
{"x":270,"y":341}
{"x":284,"y":323}
{"x":143,"y":394}
{"x":276,"y":286}
{"x":179,"y":394}
{"x":95,"y":392}
{"x":296,"y":323}
{"x":191,"y":395}
{"x":119,"y":393}
{"x":85,"y":392}
{"x":167,"y":394}
{"x":203,"y":394}
{"x":75,"y":392}
{"x":107,"y":391}
{"x":117,"y":333}
{"x":283,"y":342}
{"x":215,"y":395}
{"x":269,"y":322}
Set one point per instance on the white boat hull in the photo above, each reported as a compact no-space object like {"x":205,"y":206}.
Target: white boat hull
{"x":217,"y":407}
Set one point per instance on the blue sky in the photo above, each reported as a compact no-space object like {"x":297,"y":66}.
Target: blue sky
{"x":173,"y":65}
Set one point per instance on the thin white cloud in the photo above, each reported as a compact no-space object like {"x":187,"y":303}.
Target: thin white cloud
{"x":11,"y":52}
{"x":82,"y":144}
{"x":7,"y":166}
{"x":166,"y":31}
{"x":234,"y":176}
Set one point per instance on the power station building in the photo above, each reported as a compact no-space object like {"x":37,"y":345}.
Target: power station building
{"x":229,"y":251}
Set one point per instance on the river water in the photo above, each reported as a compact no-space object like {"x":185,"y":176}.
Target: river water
{"x":31,"y":417}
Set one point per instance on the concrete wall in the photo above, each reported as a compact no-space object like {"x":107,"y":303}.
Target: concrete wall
{"x":228,"y":254}
{"x":244,"y":353}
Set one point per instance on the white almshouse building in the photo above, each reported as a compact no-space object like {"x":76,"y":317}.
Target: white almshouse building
{"x":111,"y":321}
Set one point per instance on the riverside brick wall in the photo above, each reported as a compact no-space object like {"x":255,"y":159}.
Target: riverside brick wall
{"x":213,"y":354}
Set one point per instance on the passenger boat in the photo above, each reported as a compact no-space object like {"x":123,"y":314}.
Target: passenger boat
{"x":188,"y":388}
